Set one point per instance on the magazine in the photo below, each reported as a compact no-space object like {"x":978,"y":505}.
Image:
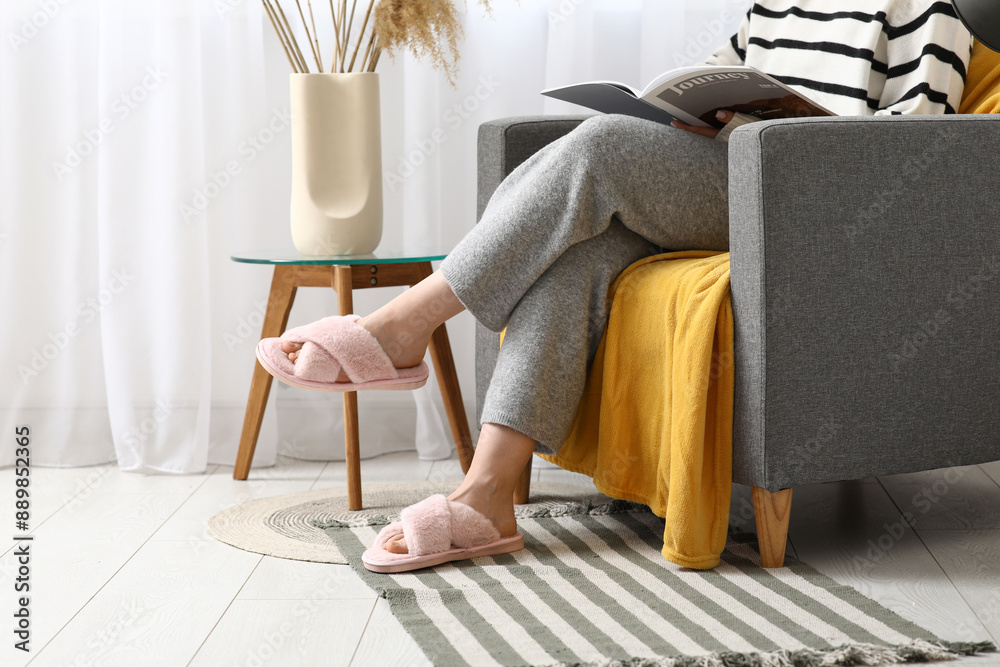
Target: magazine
{"x":693,"y":95}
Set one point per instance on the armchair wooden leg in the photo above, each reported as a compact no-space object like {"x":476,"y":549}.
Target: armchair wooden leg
{"x":523,"y":486}
{"x":771,"y":512}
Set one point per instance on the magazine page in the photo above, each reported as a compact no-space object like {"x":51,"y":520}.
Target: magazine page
{"x":593,"y":85}
{"x":609,"y":98}
{"x":694,"y":95}
{"x":678,"y":74}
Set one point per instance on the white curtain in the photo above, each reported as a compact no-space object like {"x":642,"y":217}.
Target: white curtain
{"x":142,"y":142}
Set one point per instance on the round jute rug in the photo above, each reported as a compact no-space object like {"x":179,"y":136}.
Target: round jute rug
{"x":282,"y":526}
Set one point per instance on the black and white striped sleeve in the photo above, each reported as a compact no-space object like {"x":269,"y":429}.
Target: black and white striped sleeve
{"x":734,"y":51}
{"x":928,"y":53}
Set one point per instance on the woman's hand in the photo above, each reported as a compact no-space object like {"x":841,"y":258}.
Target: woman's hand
{"x":710,"y":132}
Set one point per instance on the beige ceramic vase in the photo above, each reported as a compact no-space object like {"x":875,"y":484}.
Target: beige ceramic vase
{"x":336,"y":163}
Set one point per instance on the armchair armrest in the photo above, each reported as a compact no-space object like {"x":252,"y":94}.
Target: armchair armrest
{"x":503,"y":145}
{"x":865,"y":268}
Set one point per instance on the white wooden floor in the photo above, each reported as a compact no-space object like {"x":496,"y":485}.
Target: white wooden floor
{"x":123,"y":572}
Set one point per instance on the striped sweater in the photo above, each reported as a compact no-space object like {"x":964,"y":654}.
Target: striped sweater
{"x":858,"y":57}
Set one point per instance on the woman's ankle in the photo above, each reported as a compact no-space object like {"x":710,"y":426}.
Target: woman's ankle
{"x":404,"y":325}
{"x":405,"y":348}
{"x":482,"y":488}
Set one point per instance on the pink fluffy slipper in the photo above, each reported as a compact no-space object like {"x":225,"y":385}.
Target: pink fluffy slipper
{"x":438,"y":530}
{"x":332,"y":344}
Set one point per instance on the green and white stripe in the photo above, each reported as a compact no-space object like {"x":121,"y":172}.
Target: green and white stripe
{"x":591,"y":588}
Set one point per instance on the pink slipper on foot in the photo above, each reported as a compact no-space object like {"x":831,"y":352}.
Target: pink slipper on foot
{"x":438,"y":530}
{"x":332,"y":344}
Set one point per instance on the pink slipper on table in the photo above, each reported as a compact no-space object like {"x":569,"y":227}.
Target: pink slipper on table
{"x":332,"y":344}
{"x":438,"y":530}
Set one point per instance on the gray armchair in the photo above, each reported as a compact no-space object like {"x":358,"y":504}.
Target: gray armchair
{"x":865,"y":272}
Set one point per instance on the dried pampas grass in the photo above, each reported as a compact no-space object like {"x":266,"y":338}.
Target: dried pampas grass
{"x":429,"y":29}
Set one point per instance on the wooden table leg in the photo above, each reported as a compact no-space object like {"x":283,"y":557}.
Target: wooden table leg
{"x":451,"y":394}
{"x":279,"y":305}
{"x":447,"y":376}
{"x":342,"y":281}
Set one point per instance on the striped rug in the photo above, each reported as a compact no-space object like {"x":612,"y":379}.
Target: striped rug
{"x":591,"y":588}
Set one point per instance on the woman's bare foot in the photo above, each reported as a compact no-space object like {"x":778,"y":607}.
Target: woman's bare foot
{"x":403,"y":327}
{"x":500,"y":458}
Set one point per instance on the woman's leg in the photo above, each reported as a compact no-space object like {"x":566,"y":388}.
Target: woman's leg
{"x":553,"y":334}
{"x":557,"y":233}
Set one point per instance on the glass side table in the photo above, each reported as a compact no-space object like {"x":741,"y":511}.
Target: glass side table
{"x":391,"y":267}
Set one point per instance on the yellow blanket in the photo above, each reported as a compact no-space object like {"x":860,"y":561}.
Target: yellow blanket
{"x":655,"y":422}
{"x":982,"y":85}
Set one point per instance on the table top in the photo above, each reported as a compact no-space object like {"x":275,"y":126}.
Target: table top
{"x":382,"y":255}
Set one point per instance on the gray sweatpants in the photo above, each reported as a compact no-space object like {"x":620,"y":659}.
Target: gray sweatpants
{"x":557,"y":233}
